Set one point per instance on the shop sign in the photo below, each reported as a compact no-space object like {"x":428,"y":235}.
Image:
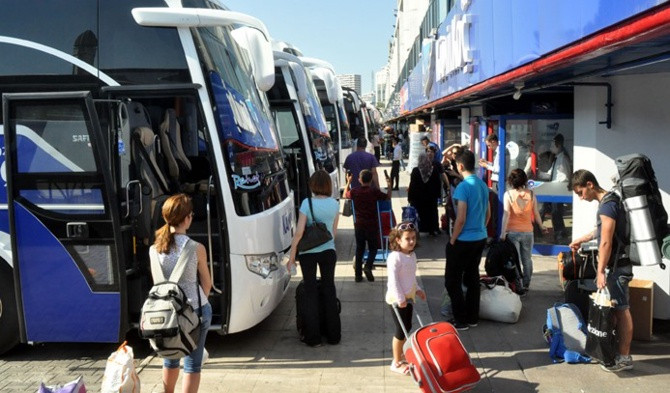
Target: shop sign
{"x":453,"y":49}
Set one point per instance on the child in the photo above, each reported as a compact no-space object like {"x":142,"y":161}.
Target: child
{"x":402,"y":286}
{"x":366,"y":225}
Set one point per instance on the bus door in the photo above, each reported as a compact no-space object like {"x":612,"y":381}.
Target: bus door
{"x":63,"y":218}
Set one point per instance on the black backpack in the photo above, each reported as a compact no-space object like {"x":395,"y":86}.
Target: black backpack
{"x":637,"y":178}
{"x":502,"y":259}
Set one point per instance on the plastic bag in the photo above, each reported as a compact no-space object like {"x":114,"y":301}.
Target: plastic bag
{"x":120,"y":375}
{"x":76,"y":386}
{"x":601,"y":340}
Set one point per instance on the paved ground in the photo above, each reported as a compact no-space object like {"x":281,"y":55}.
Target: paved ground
{"x":510,"y":358}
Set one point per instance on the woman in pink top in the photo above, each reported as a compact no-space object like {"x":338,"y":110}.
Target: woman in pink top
{"x":517,"y":225}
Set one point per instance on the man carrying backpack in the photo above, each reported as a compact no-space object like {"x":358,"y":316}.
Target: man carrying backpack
{"x":611,"y":223}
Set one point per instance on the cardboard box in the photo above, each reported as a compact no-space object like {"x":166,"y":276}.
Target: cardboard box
{"x":642,"y":308}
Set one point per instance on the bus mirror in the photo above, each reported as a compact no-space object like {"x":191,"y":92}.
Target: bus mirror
{"x":260,"y":55}
{"x":195,"y":17}
{"x":300,"y":80}
{"x":252,"y":35}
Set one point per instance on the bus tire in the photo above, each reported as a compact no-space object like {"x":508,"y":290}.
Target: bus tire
{"x":9,"y":321}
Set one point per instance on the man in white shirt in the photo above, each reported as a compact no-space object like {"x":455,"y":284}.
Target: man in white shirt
{"x":494,"y":167}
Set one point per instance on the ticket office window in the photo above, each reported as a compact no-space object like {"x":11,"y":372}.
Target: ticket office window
{"x":534,"y":145}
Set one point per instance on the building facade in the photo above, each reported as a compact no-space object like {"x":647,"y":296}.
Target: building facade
{"x":593,"y":71}
{"x":352,"y":81}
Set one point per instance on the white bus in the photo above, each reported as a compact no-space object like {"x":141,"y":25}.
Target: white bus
{"x":302,"y":125}
{"x":332,"y":101}
{"x":108,"y":107}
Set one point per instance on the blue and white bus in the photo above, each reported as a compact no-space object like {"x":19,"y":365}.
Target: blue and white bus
{"x":302,"y":125}
{"x":332,"y":101}
{"x":108,"y":107}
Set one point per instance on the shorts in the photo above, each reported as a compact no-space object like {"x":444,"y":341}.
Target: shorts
{"x":617,"y":284}
{"x":193,"y":362}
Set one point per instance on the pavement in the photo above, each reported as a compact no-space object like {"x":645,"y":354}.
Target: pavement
{"x":509,"y":357}
{"x":269,"y":357}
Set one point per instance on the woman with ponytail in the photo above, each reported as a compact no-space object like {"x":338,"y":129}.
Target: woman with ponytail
{"x":170,"y":241}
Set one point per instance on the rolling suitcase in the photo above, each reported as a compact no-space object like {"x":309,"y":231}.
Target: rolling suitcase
{"x":331,"y":331}
{"x":437,"y":359}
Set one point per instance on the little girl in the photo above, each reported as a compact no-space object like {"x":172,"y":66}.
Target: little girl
{"x":402,"y":286}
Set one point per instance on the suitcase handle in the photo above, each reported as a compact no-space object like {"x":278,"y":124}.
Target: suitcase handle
{"x":415,"y":376}
{"x":402,"y":325}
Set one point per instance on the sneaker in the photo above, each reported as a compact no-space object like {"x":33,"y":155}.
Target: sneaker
{"x":622,"y":363}
{"x":358,"y":279}
{"x":400,"y":368}
{"x":461,"y":326}
{"x":368,"y":274}
{"x":473,"y":324}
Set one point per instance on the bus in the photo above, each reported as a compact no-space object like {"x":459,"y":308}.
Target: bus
{"x":130,"y":102}
{"x":302,"y":125}
{"x":332,"y":101}
{"x":354,"y":108}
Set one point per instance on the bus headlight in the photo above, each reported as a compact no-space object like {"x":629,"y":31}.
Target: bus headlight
{"x":262,"y":265}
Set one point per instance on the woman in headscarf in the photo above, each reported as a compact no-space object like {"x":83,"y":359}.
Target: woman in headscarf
{"x":423,"y":193}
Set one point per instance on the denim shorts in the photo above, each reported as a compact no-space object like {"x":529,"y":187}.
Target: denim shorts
{"x":193,"y":362}
{"x":617,"y":284}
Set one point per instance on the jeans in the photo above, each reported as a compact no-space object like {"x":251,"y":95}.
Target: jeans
{"x":371,"y":237}
{"x":193,"y":362}
{"x":523,"y":241}
{"x":462,"y":268}
{"x":617,"y":284}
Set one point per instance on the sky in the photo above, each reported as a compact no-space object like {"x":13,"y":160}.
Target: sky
{"x":352,"y":35}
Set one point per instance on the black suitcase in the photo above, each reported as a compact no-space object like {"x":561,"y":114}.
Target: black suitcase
{"x":577,"y":292}
{"x":331,"y":331}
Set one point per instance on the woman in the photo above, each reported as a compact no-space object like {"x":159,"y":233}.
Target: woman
{"x":170,"y":241}
{"x":423,"y":192}
{"x":517,"y":226}
{"x":326,"y":210}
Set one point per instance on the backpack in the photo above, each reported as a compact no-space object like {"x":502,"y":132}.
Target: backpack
{"x":565,"y":332}
{"x":167,"y":319}
{"x":646,"y":220}
{"x":502,"y":259}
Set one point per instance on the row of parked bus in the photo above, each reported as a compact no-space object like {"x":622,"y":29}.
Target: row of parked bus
{"x":135,"y":100}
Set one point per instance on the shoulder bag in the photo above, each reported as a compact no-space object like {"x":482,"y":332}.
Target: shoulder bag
{"x":314,"y":235}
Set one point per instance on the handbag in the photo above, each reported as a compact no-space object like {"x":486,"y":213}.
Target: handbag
{"x":601,"y":340}
{"x":348,"y":209}
{"x":314,"y":235}
{"x":498,"y":302}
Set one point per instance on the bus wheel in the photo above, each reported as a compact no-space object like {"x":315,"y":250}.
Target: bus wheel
{"x":9,"y":322}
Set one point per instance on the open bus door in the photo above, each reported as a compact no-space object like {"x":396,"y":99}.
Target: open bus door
{"x":63,"y":219}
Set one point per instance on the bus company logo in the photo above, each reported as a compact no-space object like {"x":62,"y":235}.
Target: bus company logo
{"x":247,"y":182}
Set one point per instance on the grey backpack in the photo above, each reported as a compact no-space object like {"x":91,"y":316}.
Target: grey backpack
{"x":167,"y":319}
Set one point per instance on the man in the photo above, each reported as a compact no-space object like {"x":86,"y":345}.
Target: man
{"x":613,"y":271}
{"x":359,"y":160}
{"x":395,"y":164}
{"x":425,"y":141}
{"x":464,"y":250}
{"x":494,"y":167}
{"x":560,"y":171}
{"x":366,"y":227}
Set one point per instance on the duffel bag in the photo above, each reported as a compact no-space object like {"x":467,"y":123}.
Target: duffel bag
{"x":498,"y":302}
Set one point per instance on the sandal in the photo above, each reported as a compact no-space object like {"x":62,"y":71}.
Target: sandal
{"x":400,"y":368}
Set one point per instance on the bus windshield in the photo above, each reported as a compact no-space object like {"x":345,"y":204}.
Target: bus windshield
{"x":248,"y":135}
{"x":322,"y":145}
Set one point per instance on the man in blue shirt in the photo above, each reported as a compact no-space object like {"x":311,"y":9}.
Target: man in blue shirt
{"x":614,"y":271}
{"x":467,"y":242}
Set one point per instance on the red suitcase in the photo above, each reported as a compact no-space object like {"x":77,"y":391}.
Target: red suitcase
{"x":438,"y":360}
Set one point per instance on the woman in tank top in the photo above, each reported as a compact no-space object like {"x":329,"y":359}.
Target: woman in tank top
{"x":517,"y":225}
{"x":170,"y":241}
